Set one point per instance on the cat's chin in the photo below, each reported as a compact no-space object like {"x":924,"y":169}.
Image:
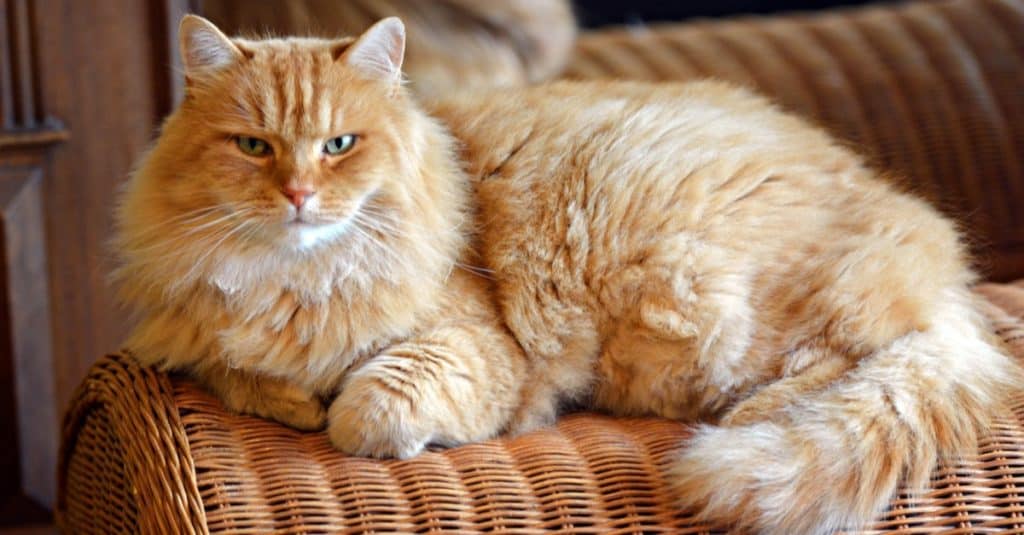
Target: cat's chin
{"x":302,"y":236}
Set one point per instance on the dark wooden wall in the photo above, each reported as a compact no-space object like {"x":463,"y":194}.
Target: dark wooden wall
{"x":83,"y":85}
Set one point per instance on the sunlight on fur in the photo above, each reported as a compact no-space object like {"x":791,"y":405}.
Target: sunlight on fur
{"x":467,"y":266}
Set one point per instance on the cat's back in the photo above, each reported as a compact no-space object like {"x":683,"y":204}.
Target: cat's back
{"x":606,"y":119}
{"x":627,"y":149}
{"x":631,"y":160}
{"x":702,"y":155}
{"x":584,"y":185}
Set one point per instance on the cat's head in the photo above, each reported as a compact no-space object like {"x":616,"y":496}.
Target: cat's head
{"x":285,"y":148}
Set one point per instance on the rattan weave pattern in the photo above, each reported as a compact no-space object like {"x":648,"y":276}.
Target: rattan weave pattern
{"x":125,"y":465}
{"x":144,"y":452}
{"x":934,"y":91}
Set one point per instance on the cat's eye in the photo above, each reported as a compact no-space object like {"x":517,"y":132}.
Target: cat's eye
{"x":339,"y":145}
{"x":253,"y":146}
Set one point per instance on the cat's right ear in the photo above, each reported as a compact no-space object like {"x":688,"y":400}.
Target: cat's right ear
{"x":204,"y":48}
{"x":379,"y":52}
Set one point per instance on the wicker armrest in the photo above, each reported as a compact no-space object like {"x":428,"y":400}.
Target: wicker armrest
{"x":125,"y":464}
{"x":144,"y":452}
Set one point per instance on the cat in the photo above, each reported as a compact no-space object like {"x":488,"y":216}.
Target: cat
{"x":453,"y":43}
{"x":305,"y":232}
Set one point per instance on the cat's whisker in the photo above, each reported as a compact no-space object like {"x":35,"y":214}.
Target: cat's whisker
{"x":384,"y":217}
{"x":381,"y":228}
{"x":392,"y":255}
{"x":384,"y":226}
{"x":372,"y":208}
{"x":209,"y":224}
{"x":478,"y":271}
{"x":170,"y":253}
{"x":185,"y":218}
{"x":359,"y":227}
{"x":392,"y":218}
{"x":252,"y":232}
{"x":476,"y":268}
{"x":173,"y":238}
{"x":213,"y":248}
{"x":362,"y":218}
{"x":192,"y":213}
{"x":193,"y":238}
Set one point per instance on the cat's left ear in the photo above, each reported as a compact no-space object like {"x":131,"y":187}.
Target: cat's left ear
{"x":379,"y":52}
{"x":204,"y":48}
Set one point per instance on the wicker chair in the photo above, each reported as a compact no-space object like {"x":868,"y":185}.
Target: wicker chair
{"x":934,"y":91}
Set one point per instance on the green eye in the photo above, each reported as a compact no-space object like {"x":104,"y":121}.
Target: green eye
{"x":339,"y":145}
{"x":253,"y":146}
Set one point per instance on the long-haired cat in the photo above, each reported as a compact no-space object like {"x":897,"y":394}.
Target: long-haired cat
{"x":303,"y":229}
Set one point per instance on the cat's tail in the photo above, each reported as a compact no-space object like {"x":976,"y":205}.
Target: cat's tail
{"x":833,"y":458}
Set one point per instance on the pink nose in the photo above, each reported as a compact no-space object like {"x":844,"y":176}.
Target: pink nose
{"x":298,"y":195}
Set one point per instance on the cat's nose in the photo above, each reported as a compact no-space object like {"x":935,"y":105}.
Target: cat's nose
{"x":298,"y":195}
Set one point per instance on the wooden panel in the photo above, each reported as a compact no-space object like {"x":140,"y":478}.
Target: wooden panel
{"x":103,"y":76}
{"x":22,"y":63}
{"x":27,"y":328}
{"x":18,"y":96}
{"x":106,"y":73}
{"x":6,"y":74}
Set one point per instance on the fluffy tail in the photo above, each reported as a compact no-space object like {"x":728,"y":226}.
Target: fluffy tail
{"x":832,"y":459}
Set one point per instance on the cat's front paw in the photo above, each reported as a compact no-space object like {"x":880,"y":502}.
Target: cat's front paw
{"x":372,"y":419}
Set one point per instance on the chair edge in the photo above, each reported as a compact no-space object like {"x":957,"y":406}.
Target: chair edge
{"x":159,"y":467}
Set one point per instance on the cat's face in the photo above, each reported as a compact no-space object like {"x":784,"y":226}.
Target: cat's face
{"x":293,"y":142}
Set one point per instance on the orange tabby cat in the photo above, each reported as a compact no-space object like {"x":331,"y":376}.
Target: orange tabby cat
{"x":303,"y":229}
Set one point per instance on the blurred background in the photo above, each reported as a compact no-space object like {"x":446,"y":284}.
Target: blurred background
{"x":596,"y":13}
{"x":84,"y":85}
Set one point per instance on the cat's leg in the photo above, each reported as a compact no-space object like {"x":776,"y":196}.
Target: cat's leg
{"x":562,"y":343}
{"x":456,"y":383}
{"x":268,"y":397}
{"x":680,"y":330}
{"x":694,"y":294}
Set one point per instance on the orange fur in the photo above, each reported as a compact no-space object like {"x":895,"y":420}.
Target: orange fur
{"x":686,"y":251}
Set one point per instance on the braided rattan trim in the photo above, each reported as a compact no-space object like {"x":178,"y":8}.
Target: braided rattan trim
{"x":125,"y":463}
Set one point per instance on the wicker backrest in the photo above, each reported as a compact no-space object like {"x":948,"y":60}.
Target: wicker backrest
{"x":933,"y":90}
